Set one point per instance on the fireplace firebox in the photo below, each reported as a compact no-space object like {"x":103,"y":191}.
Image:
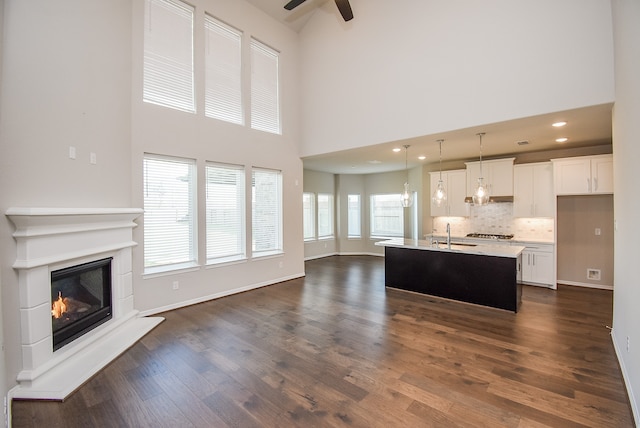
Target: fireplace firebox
{"x":80,"y":300}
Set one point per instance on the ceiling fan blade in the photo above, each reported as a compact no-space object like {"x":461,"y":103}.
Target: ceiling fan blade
{"x":293,"y":4}
{"x":345,"y":9}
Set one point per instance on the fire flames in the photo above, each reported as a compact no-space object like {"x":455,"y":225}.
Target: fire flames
{"x":58,"y":307}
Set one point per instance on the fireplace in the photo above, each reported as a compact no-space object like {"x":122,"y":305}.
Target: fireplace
{"x":80,"y":300}
{"x":75,"y":262}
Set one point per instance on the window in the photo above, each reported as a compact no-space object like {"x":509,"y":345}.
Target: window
{"x":265,"y":108}
{"x":325,"y":215}
{"x":169,"y":213}
{"x":168,"y":54}
{"x":223,"y":78}
{"x":308,"y":216}
{"x":266,"y":198}
{"x":225,"y":202}
{"x":387,"y":217}
{"x":353,"y":216}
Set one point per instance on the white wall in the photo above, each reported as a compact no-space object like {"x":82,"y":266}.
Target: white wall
{"x":425,"y":66}
{"x":168,"y":132}
{"x":626,"y":157}
{"x":66,"y":79}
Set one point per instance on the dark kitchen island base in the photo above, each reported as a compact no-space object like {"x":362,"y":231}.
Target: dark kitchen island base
{"x":473,"y":278}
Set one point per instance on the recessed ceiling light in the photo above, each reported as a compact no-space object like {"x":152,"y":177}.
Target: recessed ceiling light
{"x":561,"y":140}
{"x":559,"y":124}
{"x":422,"y":157}
{"x":397,"y":149}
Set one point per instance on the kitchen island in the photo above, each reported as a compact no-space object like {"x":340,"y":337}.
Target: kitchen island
{"x":482,"y":274}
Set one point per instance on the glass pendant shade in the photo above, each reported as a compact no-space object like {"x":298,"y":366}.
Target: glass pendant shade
{"x":407,"y":196}
{"x":481,"y":195}
{"x":439,"y":195}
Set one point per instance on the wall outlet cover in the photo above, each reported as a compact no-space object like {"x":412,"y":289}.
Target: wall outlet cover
{"x":593,"y":274}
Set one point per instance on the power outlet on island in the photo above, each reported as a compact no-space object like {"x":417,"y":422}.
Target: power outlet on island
{"x":176,"y":285}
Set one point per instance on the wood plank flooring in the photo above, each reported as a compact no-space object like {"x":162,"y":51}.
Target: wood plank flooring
{"x":337,"y":349}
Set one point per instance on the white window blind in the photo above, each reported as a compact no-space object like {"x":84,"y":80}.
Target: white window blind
{"x":387,"y":217}
{"x":267,"y":212}
{"x":353,"y":216}
{"x":223,"y":79}
{"x":325,"y":215}
{"x":169,"y":213}
{"x":225,"y":213}
{"x":168,"y":54}
{"x":308,"y":216}
{"x":265,"y":103}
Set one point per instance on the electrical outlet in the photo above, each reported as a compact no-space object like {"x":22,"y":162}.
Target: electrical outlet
{"x":72,"y":152}
{"x":93,"y":159}
{"x":176,"y":285}
{"x":598,"y":231}
{"x":627,"y":343}
{"x":280,"y":265}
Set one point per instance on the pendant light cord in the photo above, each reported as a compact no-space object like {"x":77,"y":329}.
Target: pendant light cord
{"x":440,"y":141}
{"x":480,"y":134}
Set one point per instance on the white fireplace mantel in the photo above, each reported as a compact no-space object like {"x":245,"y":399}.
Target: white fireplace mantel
{"x":54,"y":238}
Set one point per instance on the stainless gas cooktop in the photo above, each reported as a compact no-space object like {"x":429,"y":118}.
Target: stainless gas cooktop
{"x":488,"y":236}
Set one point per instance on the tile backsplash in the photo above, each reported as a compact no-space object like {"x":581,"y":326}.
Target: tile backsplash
{"x":497,"y":218}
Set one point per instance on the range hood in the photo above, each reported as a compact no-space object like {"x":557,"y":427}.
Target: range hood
{"x":492,"y":199}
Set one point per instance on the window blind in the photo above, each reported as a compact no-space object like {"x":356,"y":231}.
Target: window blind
{"x":387,"y":217}
{"x":168,"y":54}
{"x":223,"y":76}
{"x":353,"y":216}
{"x":225,"y":219}
{"x":169,"y":213}
{"x":308,"y":216}
{"x":266,"y":211}
{"x":325,"y":215}
{"x":265,"y":108}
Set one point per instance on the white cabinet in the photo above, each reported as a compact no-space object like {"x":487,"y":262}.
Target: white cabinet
{"x":583,"y":175}
{"x":538,"y":266}
{"x":497,"y":174}
{"x":455,"y":185}
{"x":533,"y":190}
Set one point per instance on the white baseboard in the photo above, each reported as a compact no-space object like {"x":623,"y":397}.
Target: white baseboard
{"x":625,"y":376}
{"x":218,"y":295}
{"x":585,"y":284}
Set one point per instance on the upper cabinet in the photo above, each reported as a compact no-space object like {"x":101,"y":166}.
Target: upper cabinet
{"x":497,"y":174}
{"x":533,"y":190}
{"x":455,"y":185}
{"x":583,"y":175}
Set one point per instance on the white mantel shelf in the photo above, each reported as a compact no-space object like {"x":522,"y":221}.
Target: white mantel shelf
{"x":53,"y":238}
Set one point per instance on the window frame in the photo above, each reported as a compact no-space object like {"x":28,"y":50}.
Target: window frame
{"x":329,"y":211}
{"x":310,"y":216}
{"x":276,"y":219}
{"x":357,"y":215}
{"x":390,"y":198}
{"x":265,"y":88}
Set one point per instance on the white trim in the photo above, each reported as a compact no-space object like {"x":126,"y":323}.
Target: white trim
{"x":627,"y":380}
{"x":584,"y":284}
{"x":215,"y":296}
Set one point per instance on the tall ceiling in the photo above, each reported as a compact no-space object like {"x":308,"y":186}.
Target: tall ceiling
{"x":585,"y":126}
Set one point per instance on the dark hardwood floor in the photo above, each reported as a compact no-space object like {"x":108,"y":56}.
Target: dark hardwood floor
{"x":338,"y":349}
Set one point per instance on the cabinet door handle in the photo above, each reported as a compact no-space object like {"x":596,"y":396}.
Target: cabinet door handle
{"x":588,"y":185}
{"x":533,"y":256}
{"x":595,"y":184}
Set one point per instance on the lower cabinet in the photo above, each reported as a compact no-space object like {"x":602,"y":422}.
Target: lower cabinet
{"x":538,"y":265}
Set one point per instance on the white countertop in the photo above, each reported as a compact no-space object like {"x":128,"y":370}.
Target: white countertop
{"x":488,"y":249}
{"x":464,"y":238}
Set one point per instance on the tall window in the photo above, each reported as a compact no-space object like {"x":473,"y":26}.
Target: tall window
{"x":168,"y":54}
{"x":223,"y":79}
{"x":325,"y":215}
{"x":225,"y":212}
{"x":353,"y":217}
{"x":308,"y":216}
{"x":169,"y":213}
{"x":387,"y":217}
{"x":265,"y":103}
{"x":267,"y":211}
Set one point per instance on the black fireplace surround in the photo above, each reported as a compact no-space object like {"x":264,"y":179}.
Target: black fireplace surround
{"x":80,"y":300}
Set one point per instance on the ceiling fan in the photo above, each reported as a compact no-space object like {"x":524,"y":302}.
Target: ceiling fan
{"x":343,"y":6}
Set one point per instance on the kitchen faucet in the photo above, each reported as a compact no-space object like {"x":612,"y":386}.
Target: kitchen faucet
{"x":449,"y":236}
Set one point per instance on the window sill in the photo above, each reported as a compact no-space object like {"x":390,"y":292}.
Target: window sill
{"x":169,"y":270}
{"x":226,"y":261}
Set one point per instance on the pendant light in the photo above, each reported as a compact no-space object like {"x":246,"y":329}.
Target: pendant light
{"x":481,"y":195}
{"x":440,"y":195}
{"x":407,"y":195}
